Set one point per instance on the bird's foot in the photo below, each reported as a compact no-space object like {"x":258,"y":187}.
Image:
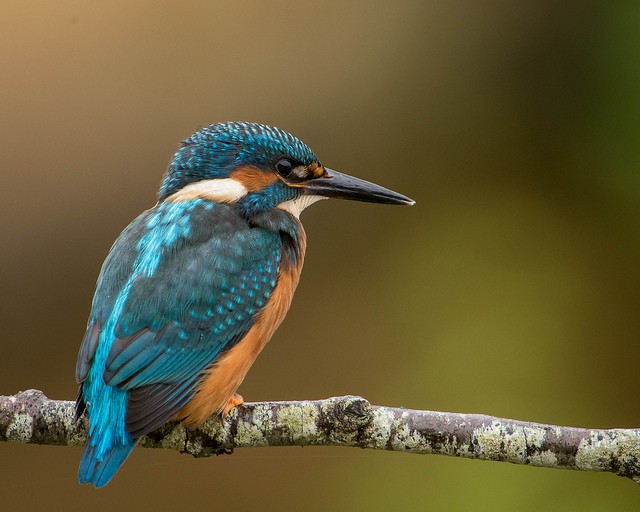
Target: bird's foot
{"x":234,"y":401}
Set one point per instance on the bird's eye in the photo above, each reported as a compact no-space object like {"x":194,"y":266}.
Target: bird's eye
{"x":284,"y":167}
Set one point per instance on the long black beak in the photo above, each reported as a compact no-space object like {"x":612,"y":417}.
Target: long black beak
{"x":342,"y":186}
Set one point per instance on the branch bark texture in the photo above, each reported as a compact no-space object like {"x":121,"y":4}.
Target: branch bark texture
{"x":31,"y":417}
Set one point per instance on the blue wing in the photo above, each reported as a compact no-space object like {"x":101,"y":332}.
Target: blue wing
{"x":182,"y":284}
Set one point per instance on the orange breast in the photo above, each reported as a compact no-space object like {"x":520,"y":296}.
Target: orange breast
{"x":223,"y":378}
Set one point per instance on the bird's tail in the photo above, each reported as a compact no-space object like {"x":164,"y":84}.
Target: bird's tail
{"x":99,"y":471}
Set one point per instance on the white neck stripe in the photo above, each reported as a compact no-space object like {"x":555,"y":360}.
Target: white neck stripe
{"x":295,"y":206}
{"x":224,"y":190}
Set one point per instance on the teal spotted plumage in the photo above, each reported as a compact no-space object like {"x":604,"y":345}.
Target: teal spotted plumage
{"x":187,"y":280}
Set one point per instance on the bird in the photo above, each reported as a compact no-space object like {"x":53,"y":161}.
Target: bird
{"x":193,"y":288}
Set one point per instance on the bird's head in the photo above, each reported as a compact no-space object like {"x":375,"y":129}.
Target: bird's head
{"x":259,"y":167}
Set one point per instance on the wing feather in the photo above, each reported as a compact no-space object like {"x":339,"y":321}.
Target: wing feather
{"x":198,"y":298}
{"x":150,"y":407}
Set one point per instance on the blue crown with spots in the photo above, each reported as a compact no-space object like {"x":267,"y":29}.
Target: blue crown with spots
{"x":218,"y":149}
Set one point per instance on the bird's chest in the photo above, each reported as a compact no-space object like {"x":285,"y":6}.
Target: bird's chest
{"x":227,"y":372}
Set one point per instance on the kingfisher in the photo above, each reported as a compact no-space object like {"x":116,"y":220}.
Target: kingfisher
{"x":193,"y":289}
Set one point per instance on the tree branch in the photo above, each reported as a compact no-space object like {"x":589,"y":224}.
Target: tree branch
{"x":31,"y":417}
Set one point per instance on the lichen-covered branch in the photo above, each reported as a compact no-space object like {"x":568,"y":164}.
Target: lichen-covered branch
{"x":31,"y":417}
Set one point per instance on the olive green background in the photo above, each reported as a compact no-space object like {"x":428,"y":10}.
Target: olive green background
{"x":512,"y":288}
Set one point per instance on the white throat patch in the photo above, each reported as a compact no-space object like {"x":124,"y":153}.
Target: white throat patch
{"x":223,"y":190}
{"x":295,"y":206}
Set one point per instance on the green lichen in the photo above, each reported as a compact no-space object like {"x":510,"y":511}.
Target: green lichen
{"x":545,"y":459}
{"x":602,"y":451}
{"x":21,"y":428}
{"x":213,"y":426}
{"x":380,"y":429}
{"x":300,"y":420}
{"x":536,"y":437}
{"x":497,"y":443}
{"x":250,"y":435}
{"x":253,"y":430}
{"x":406,"y":439}
{"x":176,"y":438}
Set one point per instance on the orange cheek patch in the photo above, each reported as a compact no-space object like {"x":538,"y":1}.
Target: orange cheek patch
{"x":254,"y":179}
{"x":315,"y":170}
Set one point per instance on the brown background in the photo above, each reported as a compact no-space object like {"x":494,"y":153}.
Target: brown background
{"x":512,"y":288}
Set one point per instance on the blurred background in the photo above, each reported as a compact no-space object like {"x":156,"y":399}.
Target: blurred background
{"x":512,"y":288}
